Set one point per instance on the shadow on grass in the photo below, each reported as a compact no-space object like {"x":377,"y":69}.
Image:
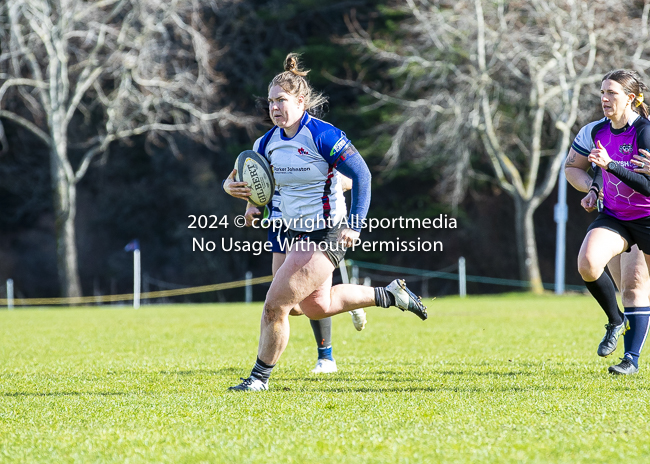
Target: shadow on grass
{"x":464,"y":372}
{"x":224,"y":371}
{"x":495,"y":373}
{"x":36,"y":394}
{"x":385,"y":376}
{"x":437,"y":389}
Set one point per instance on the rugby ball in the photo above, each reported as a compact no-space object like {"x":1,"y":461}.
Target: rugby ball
{"x":253,"y":169}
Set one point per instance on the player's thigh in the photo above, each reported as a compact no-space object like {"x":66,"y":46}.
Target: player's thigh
{"x":599,"y":247}
{"x":635,"y":281}
{"x":303,"y":271}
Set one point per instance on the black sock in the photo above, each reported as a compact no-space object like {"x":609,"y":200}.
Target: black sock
{"x":383,"y":298}
{"x":603,"y":290}
{"x":262,"y":371}
{"x":322,"y":332}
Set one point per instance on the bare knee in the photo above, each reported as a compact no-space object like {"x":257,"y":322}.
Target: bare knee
{"x":273,"y":313}
{"x":316,"y":308}
{"x":636,"y":295}
{"x":630,"y":295}
{"x":590,"y":269}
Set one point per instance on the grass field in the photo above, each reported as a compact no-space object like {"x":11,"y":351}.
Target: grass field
{"x":486,"y":379}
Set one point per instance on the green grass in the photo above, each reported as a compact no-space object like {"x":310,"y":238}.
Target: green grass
{"x":485,"y":379}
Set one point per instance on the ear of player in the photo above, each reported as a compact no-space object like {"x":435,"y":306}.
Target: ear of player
{"x":255,"y":170}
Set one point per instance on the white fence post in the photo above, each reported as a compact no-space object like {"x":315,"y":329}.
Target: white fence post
{"x":249,"y":287}
{"x":355,"y":275}
{"x":462,"y":281}
{"x":344,"y":272}
{"x":10,"y":294}
{"x":561,"y":216}
{"x":136,"y":279}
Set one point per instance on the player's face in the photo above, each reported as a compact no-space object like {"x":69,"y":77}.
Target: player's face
{"x":613,"y":99}
{"x":285,"y":109}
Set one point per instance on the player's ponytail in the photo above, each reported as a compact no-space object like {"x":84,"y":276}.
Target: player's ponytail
{"x":293,"y":81}
{"x":291,"y":65}
{"x":639,"y":105}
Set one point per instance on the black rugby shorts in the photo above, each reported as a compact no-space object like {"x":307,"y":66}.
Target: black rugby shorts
{"x":326,"y":239}
{"x":636,"y":231}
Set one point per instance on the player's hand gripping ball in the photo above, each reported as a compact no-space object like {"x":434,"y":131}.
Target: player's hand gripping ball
{"x":253,"y":169}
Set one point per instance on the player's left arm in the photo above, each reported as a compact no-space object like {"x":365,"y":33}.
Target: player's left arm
{"x":339,"y":152}
{"x":251,"y":212}
{"x":351,"y":164}
{"x":642,"y":161}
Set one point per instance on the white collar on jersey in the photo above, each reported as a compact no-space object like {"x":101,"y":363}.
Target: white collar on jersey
{"x":633,"y":118}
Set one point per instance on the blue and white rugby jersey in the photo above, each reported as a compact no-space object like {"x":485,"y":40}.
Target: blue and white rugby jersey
{"x":274,"y":206}
{"x":305,"y":176}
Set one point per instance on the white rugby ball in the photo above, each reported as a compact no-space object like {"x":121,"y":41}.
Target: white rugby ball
{"x":253,"y":169}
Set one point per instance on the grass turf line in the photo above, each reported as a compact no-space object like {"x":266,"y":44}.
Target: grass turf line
{"x":486,"y":379}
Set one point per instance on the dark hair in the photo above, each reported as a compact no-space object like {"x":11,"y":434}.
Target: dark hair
{"x":631,"y":83}
{"x":293,"y":81}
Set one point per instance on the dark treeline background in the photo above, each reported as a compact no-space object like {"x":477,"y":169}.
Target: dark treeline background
{"x":144,"y":191}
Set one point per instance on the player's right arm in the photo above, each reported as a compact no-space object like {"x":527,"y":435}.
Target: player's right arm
{"x":575,"y":169}
{"x":241,"y":189}
{"x":236,"y":189}
{"x":577,"y":163}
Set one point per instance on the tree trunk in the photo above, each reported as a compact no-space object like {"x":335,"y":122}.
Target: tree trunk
{"x":65,"y":208}
{"x":527,"y":245}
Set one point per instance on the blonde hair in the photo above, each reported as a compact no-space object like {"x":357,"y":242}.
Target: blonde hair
{"x":293,"y":81}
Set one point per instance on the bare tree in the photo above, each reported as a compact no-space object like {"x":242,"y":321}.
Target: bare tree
{"x":506,"y":79}
{"x":81,"y":75}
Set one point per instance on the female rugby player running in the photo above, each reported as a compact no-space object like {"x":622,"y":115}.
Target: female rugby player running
{"x":277,"y":237}
{"x":306,"y":155}
{"x":613,"y":144}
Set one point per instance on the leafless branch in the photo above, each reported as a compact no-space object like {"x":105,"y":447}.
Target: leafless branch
{"x":87,"y":74}
{"x":19,"y":81}
{"x":33,"y":128}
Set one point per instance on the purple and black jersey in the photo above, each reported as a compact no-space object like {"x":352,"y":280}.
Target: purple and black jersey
{"x":625,"y":193}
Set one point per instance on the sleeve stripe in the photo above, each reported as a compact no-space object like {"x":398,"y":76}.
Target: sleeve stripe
{"x":578,"y":149}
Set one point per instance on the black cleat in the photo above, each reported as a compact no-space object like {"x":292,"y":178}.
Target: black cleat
{"x":625,"y":367}
{"x":406,"y":300}
{"x":608,"y":344}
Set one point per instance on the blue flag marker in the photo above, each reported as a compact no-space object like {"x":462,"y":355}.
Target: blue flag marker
{"x":132,"y":245}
